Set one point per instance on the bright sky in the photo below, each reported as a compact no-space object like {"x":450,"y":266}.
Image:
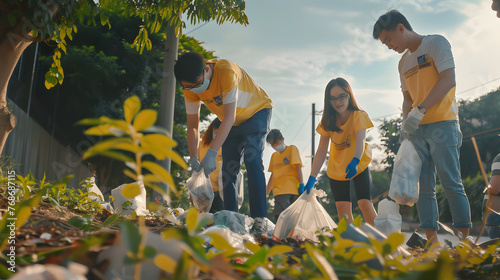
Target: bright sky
{"x":292,"y":48}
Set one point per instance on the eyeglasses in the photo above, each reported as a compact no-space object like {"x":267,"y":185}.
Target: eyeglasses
{"x":195,"y":86}
{"x":341,"y":98}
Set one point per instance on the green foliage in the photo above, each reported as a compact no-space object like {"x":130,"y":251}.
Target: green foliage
{"x":389,"y":131}
{"x":52,"y":21}
{"x":479,"y":117}
{"x":55,"y":21}
{"x":129,"y":141}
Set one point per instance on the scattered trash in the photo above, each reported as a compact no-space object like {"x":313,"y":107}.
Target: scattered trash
{"x":118,"y":269}
{"x":75,"y":271}
{"x":404,"y":186}
{"x":137,"y":203}
{"x":94,"y":192}
{"x":46,"y":236}
{"x":200,"y":189}
{"x":236,"y":240}
{"x":388,"y":219}
{"x":303,"y":218}
{"x":416,"y":240}
{"x":209,"y":217}
{"x":263,"y":273}
{"x":236,"y":222}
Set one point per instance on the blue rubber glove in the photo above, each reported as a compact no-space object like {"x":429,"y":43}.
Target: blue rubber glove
{"x":208,"y":163}
{"x":195,"y":164}
{"x":310,"y":183}
{"x":352,"y":168}
{"x":413,"y":120}
{"x":301,"y":188}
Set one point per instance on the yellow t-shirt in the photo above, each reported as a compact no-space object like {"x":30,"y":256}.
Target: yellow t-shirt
{"x":343,"y":145}
{"x":230,"y":83}
{"x":214,"y":176}
{"x":283,"y":166}
{"x":419,"y":73}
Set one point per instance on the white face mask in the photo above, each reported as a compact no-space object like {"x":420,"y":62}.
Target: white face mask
{"x":203,"y":87}
{"x":280,"y":148}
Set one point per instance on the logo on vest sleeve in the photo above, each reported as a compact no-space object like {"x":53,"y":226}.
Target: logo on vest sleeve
{"x":218,"y":100}
{"x":422,"y":59}
{"x":286,"y":160}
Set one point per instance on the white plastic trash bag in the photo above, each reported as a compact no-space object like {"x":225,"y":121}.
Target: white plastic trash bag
{"x":240,"y":184}
{"x":303,"y":218}
{"x":94,"y":192}
{"x":200,"y":189}
{"x":137,"y":203}
{"x":404,"y":183}
{"x":388,"y":219}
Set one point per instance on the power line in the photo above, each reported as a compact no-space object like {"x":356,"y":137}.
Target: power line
{"x":462,"y":92}
{"x":197,"y":28}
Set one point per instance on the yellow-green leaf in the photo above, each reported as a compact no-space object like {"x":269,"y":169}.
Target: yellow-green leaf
{"x":159,"y":140}
{"x":22,"y":215}
{"x":252,"y":247}
{"x":99,"y":130}
{"x":395,"y":240}
{"x":145,"y":119}
{"x":165,"y":262}
{"x":191,"y":219}
{"x":131,"y":107}
{"x":278,"y":250}
{"x":475,"y":260}
{"x":220,"y":242}
{"x":158,"y":171}
{"x":131,"y":190}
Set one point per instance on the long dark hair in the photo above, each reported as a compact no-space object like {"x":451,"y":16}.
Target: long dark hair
{"x":329,"y":119}
{"x":208,"y":136}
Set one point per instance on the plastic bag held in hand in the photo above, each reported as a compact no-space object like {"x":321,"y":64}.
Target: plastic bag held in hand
{"x":352,"y":168}
{"x":200,"y":188}
{"x":404,"y":186}
{"x":413,"y":120}
{"x":208,"y":163}
{"x":310,"y":183}
{"x":303,"y":218}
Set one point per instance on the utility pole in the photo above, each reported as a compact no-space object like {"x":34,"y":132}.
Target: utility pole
{"x":313,"y":127}
{"x":167,"y":100}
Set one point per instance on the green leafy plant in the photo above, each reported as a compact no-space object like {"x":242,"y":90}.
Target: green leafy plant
{"x":130,"y":140}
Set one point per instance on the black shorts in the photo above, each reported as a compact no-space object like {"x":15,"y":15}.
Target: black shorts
{"x":341,"y":190}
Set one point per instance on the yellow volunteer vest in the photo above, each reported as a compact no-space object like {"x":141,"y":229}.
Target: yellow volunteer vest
{"x":343,"y":144}
{"x":283,"y":167}
{"x":214,"y":176}
{"x":251,"y":97}
{"x":421,"y":75}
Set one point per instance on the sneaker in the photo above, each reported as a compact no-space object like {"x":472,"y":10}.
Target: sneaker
{"x":259,"y":228}
{"x":469,"y":239}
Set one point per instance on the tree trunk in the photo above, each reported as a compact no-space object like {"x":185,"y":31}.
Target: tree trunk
{"x":12,"y":45}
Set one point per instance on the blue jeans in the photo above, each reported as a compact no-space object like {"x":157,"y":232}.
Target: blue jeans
{"x":437,"y":145}
{"x":247,"y":140}
{"x":493,"y":225}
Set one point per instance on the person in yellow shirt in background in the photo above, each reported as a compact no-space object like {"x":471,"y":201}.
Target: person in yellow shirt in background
{"x":344,"y":124}
{"x":286,"y":179}
{"x":244,"y":109}
{"x":206,"y":141}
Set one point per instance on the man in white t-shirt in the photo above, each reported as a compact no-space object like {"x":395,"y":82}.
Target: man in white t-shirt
{"x":430,"y":117}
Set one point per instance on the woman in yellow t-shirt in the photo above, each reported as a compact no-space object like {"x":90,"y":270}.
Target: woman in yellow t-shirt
{"x":286,"y":172}
{"x":344,"y":124}
{"x":206,"y":141}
